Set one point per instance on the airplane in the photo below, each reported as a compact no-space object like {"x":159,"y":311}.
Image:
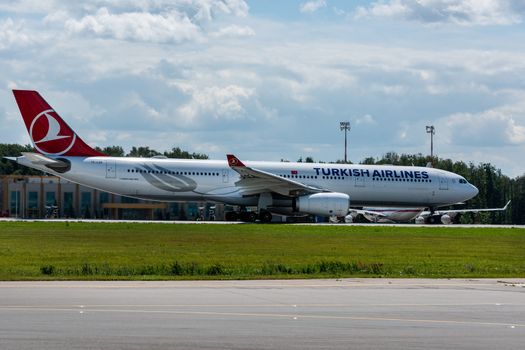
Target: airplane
{"x":419,"y":215}
{"x":294,"y":189}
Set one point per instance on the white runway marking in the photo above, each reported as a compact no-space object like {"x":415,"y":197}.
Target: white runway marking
{"x":262,"y":315}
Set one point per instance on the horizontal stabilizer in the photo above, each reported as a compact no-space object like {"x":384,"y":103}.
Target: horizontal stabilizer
{"x":58,"y":165}
{"x":40,"y":159}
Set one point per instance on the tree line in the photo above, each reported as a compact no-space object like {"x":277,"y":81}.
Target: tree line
{"x":495,"y":188}
{"x":146,"y":152}
{"x":8,"y":167}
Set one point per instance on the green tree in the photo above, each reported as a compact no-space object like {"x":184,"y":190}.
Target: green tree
{"x":144,"y":152}
{"x":113,"y":151}
{"x":176,"y":152}
{"x":9,"y":167}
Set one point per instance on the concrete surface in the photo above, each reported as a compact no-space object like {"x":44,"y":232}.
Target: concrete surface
{"x":281,"y":314}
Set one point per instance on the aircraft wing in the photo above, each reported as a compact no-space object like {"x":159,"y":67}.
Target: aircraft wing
{"x":254,"y":181}
{"x":355,"y":212}
{"x":461,"y":211}
{"x":394,"y":215}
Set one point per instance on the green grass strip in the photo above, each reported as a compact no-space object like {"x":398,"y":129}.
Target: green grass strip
{"x":123,"y":251}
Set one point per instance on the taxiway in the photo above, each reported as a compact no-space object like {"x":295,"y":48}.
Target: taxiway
{"x":277,"y":314}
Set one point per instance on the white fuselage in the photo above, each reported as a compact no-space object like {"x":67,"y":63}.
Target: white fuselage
{"x":214,"y":180}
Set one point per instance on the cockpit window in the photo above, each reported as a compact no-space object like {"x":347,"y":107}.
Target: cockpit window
{"x":462,"y":181}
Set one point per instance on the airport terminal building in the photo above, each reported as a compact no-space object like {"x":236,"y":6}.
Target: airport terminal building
{"x":39,"y":197}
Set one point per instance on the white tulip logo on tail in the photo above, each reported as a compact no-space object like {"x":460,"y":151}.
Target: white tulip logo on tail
{"x":49,"y":136}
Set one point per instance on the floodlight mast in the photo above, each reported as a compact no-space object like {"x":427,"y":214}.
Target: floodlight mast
{"x":346,"y":127}
{"x":432,"y":131}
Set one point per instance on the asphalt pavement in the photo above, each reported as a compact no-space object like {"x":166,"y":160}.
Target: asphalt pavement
{"x":276,"y":314}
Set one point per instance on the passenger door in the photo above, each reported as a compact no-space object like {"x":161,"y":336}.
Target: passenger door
{"x":111,"y":169}
{"x":443,"y":183}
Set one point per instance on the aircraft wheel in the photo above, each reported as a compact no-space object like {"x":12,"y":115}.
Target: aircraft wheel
{"x":248,"y":216}
{"x":231,"y":216}
{"x":265,"y":216}
{"x":434,"y":219}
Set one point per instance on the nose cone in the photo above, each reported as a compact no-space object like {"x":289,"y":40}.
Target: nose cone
{"x":473,"y":191}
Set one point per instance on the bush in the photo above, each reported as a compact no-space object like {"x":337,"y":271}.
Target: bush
{"x":177,"y":269}
{"x":470,"y":268}
{"x":409,"y":270}
{"x":47,"y":270}
{"x":86,"y":269}
{"x":215,"y":270}
{"x":337,"y":267}
{"x":276,"y":269}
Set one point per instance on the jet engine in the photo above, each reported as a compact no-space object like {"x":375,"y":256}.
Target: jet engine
{"x":420,"y":220}
{"x":446,"y":219}
{"x":326,"y":204}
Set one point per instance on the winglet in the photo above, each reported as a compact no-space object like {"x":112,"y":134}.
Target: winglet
{"x":506,"y":205}
{"x":233,"y":161}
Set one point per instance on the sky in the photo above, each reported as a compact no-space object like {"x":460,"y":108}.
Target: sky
{"x":271,"y":80}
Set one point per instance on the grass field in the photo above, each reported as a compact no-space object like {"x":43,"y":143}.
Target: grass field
{"x":61,"y":250}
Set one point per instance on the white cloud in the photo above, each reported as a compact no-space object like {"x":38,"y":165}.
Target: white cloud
{"x":207,"y":9}
{"x":98,"y":138}
{"x":203,"y":10}
{"x":12,"y":34}
{"x":134,"y":101}
{"x":499,"y":126}
{"x":389,"y":89}
{"x":206,"y":148}
{"x":461,"y":12}
{"x":161,"y":21}
{"x":234,"y":31}
{"x":73,"y":106}
{"x":141,"y":26}
{"x":365,"y":119}
{"x":220,"y":102}
{"x":312,"y":6}
{"x":28,"y":6}
{"x":58,"y":16}
{"x":396,"y":8}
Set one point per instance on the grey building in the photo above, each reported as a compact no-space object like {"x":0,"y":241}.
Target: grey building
{"x":38,"y":197}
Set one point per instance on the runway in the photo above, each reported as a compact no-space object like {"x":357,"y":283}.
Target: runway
{"x":277,"y":314}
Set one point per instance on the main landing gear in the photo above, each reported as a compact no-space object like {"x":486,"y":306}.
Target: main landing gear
{"x":433,"y":218}
{"x":249,"y":216}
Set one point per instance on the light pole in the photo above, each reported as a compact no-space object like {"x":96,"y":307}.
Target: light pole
{"x":16,"y":204}
{"x":431,"y":131}
{"x":346,"y":127}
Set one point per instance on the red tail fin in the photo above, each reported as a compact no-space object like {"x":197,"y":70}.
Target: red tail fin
{"x":48,"y":132}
